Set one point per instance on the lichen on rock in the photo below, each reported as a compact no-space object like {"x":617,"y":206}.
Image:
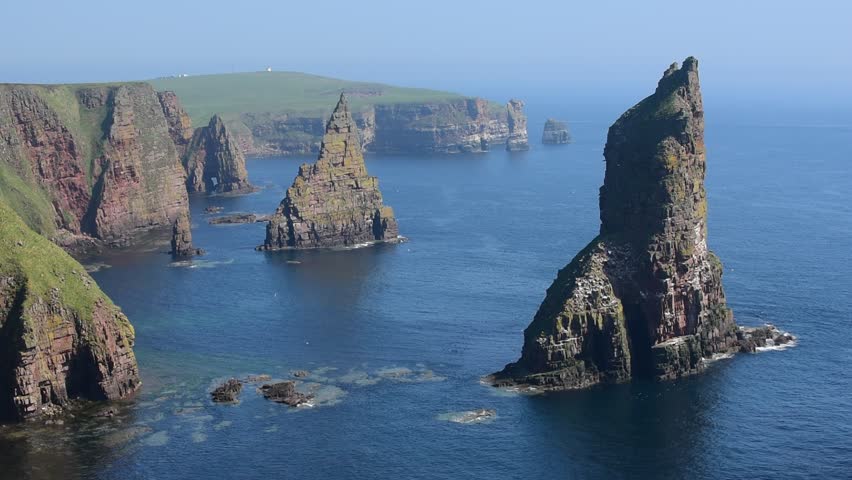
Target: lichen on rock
{"x":644,"y":298}
{"x":333,"y":202}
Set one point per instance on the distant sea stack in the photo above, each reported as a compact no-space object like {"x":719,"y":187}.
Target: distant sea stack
{"x":334,"y":202}
{"x":518,"y":140}
{"x":61,"y":338}
{"x":214,"y":162}
{"x":93,"y":161}
{"x":555,"y":133}
{"x":645,"y":297}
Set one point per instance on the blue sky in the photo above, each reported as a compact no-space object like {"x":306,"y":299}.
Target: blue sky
{"x":775,"y":49}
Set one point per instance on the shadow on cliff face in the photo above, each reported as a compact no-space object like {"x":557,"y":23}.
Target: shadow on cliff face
{"x":639,"y":339}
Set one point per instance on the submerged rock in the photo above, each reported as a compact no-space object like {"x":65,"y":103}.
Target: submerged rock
{"x":61,"y":337}
{"x":645,"y":297}
{"x":182,"y":239}
{"x":752,"y":338}
{"x":471,"y":416}
{"x":239,"y":218}
{"x":213,"y":209}
{"x":284,"y":392}
{"x":555,"y":133}
{"x":214,"y":162}
{"x":228,"y":391}
{"x":334,"y":202}
{"x":518,"y":139}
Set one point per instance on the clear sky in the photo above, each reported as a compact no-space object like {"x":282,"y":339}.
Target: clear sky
{"x":774,"y":49}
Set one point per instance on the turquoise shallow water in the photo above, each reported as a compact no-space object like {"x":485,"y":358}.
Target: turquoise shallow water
{"x":398,"y":336}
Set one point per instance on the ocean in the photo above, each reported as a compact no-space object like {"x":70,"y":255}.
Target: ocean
{"x":397,"y":337}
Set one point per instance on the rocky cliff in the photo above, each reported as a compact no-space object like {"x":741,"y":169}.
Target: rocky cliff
{"x":453,"y":126}
{"x":518,"y":139}
{"x":93,"y":160}
{"x":60,"y":337}
{"x":555,"y":133}
{"x":645,"y":297}
{"x":334,"y":202}
{"x":214,"y":162}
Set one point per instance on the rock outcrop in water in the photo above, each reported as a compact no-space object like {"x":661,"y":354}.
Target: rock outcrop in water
{"x":214,"y":162}
{"x":61,"y":338}
{"x":182,"y":239}
{"x":555,"y":133}
{"x":334,"y":202}
{"x":89,"y":160}
{"x":518,"y":140}
{"x":645,"y":297}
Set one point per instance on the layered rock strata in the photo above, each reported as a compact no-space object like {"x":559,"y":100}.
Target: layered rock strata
{"x":518,"y":139}
{"x":61,"y":338}
{"x":645,"y":297}
{"x":92,"y":160}
{"x":455,"y":126}
{"x":333,"y":202}
{"x":555,"y":133}
{"x":213,"y":161}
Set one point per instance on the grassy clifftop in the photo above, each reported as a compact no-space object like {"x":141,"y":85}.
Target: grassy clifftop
{"x":285,"y":92}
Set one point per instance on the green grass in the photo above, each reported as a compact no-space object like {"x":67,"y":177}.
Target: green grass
{"x":29,"y":200}
{"x":46,"y":268}
{"x":283,"y":92}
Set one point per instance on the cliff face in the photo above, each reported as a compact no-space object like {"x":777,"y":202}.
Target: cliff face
{"x":93,"y":160}
{"x":60,"y":336}
{"x":334,"y":202}
{"x":180,"y":125}
{"x":518,"y":139}
{"x":462,"y":125}
{"x":555,"y":133}
{"x":214,"y":162}
{"x":645,"y":298}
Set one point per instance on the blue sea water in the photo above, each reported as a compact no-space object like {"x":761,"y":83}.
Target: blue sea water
{"x":397,"y":337}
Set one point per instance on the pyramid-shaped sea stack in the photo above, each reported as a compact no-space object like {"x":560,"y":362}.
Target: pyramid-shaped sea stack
{"x":334,"y":202}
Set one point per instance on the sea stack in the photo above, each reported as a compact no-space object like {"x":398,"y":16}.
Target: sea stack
{"x":333,"y":202}
{"x":182,"y":239}
{"x":60,"y":337}
{"x":644,"y":298}
{"x":214,"y":162}
{"x":518,"y":140}
{"x":555,"y":133}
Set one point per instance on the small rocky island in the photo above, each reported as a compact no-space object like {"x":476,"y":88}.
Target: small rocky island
{"x":555,"y":132}
{"x":644,"y":298}
{"x":61,"y":338}
{"x":518,"y":140}
{"x":182,"y":239}
{"x":334,"y":202}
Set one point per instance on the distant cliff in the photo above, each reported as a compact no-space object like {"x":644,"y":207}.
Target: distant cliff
{"x":285,"y":113}
{"x":463,"y":125}
{"x":60,"y":337}
{"x":90,"y":160}
{"x":645,"y":298}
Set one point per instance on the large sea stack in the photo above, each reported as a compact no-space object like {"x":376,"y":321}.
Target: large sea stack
{"x":334,"y":202}
{"x":645,"y":297}
{"x":214,"y":162}
{"x":555,"y":132}
{"x":60,"y":336}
